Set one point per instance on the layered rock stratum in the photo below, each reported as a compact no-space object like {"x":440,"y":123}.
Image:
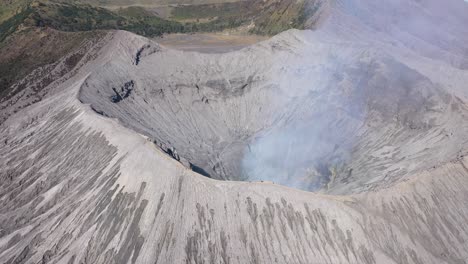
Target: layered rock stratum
{"x":144,"y":154}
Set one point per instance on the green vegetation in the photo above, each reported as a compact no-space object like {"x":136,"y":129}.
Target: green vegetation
{"x":75,"y":18}
{"x":212,"y":17}
{"x":11,"y":25}
{"x":210,"y":11}
{"x":283,"y":15}
{"x":145,"y":23}
{"x":12,"y":7}
{"x":137,"y":12}
{"x":71,"y":17}
{"x":269,"y":17}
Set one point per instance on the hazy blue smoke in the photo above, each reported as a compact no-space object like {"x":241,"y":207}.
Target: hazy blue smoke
{"x":304,"y":153}
{"x":308,"y":150}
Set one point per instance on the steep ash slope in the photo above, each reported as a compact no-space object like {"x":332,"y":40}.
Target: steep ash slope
{"x":81,"y":187}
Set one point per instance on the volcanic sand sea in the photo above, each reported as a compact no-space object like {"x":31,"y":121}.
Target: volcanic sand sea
{"x":209,"y":42}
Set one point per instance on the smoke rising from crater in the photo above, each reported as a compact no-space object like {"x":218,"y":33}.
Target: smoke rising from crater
{"x":302,"y":155}
{"x":314,"y":145}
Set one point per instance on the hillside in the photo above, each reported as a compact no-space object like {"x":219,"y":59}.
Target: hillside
{"x":152,"y":2}
{"x":8,"y":8}
{"x":341,"y":143}
{"x":268,"y":17}
{"x":73,"y":18}
{"x":39,"y":50}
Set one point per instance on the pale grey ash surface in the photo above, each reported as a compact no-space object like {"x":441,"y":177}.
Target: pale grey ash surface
{"x":92,"y":174}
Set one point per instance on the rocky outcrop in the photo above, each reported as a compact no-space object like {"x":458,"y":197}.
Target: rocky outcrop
{"x":123,"y":92}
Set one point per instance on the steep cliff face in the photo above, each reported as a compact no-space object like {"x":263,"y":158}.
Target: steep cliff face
{"x":107,"y":168}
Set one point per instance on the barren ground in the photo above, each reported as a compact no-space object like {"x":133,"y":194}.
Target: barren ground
{"x":208,"y":42}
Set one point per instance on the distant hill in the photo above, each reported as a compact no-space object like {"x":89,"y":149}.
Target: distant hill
{"x":152,"y":2}
{"x":262,"y":17}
